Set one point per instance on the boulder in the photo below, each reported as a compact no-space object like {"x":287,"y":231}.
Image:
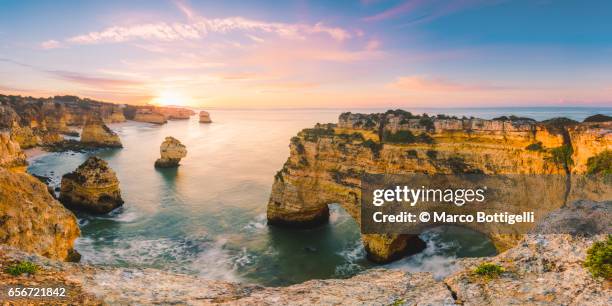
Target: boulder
{"x":92,"y":187}
{"x":205,"y":117}
{"x":97,"y":134}
{"x":171,"y":151}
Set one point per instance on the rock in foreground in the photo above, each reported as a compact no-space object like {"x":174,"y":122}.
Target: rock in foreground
{"x":205,"y":117}
{"x":92,"y":187}
{"x":32,"y":220}
{"x":171,"y":151}
{"x":97,"y":134}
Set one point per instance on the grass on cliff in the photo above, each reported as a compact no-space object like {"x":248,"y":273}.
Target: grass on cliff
{"x":21,"y":268}
{"x":599,"y":259}
{"x":600,"y":163}
{"x":489,"y":270}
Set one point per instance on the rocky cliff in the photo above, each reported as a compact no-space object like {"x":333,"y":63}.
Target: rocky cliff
{"x":32,"y":220}
{"x":97,"y":134}
{"x":92,"y":187}
{"x":150,"y":116}
{"x":171,"y":151}
{"x":11,"y":155}
{"x":39,"y":121}
{"x":326,"y":162}
{"x":540,"y":270}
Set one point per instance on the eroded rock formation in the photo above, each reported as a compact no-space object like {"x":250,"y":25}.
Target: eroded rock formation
{"x":175,"y":113}
{"x":92,"y":187}
{"x":32,"y":220}
{"x":97,"y":134}
{"x":11,"y":155}
{"x":171,"y":151}
{"x":205,"y":117}
{"x":326,"y":162}
{"x":150,"y":116}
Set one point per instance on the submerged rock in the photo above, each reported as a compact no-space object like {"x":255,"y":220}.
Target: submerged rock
{"x":97,"y":134}
{"x":32,"y":220}
{"x":205,"y":117}
{"x":92,"y":187}
{"x":171,"y":151}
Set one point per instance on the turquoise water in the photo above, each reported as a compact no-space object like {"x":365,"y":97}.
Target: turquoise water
{"x":208,"y":216}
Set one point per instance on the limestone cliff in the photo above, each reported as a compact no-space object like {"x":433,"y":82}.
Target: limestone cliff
{"x":32,"y":220}
{"x":205,"y":117}
{"x":326,"y":162}
{"x":175,"y":113}
{"x":150,"y":116}
{"x":40,"y":121}
{"x":97,"y":134}
{"x":92,"y":187}
{"x":11,"y":155}
{"x":171,"y":151}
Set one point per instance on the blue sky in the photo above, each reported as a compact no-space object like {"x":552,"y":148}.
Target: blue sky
{"x":368,"y":53}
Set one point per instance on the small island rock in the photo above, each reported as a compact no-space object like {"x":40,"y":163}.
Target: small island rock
{"x":171,"y":151}
{"x":205,"y":117}
{"x":92,"y":187}
{"x":97,"y":134}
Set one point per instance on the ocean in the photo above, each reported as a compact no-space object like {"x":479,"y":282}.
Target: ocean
{"x":207,"y":217}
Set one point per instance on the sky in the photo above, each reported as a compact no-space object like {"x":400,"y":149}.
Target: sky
{"x":311,"y":54}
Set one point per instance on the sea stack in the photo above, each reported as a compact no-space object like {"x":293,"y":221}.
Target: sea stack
{"x":205,"y":117}
{"x":92,"y":187}
{"x":97,"y":134}
{"x":171,"y":151}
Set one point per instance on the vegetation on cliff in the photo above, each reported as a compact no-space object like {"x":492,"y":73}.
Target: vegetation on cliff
{"x":22,"y":267}
{"x":600,"y":163}
{"x":599,"y":259}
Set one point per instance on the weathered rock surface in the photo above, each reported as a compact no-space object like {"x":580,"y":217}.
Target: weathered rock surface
{"x":541,"y":270}
{"x":40,"y":121}
{"x":544,"y":268}
{"x":32,"y":220}
{"x":96,"y":134}
{"x":92,"y":187}
{"x":205,"y":117}
{"x":11,"y":155}
{"x":326,"y":162}
{"x":171,"y":151}
{"x":175,"y":113}
{"x":150,"y":116}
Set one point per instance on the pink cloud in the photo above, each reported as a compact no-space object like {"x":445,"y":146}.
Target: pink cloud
{"x":94,"y":81}
{"x":423,"y":84}
{"x":50,"y":44}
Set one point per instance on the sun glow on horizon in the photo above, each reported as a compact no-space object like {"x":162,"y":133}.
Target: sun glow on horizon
{"x":169,"y":98}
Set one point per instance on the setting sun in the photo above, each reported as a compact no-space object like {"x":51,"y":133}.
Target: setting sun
{"x":167,"y":97}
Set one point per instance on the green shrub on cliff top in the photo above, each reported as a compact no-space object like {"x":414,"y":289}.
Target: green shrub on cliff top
{"x":21,"y":268}
{"x":600,"y":163}
{"x":599,"y":259}
{"x":489,"y":270}
{"x":562,"y":156}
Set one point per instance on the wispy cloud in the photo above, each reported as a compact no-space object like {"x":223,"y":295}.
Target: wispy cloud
{"x":50,"y":44}
{"x":403,"y":8}
{"x":427,"y":10}
{"x":200,"y":27}
{"x":94,"y":81}
{"x":425,"y":84}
